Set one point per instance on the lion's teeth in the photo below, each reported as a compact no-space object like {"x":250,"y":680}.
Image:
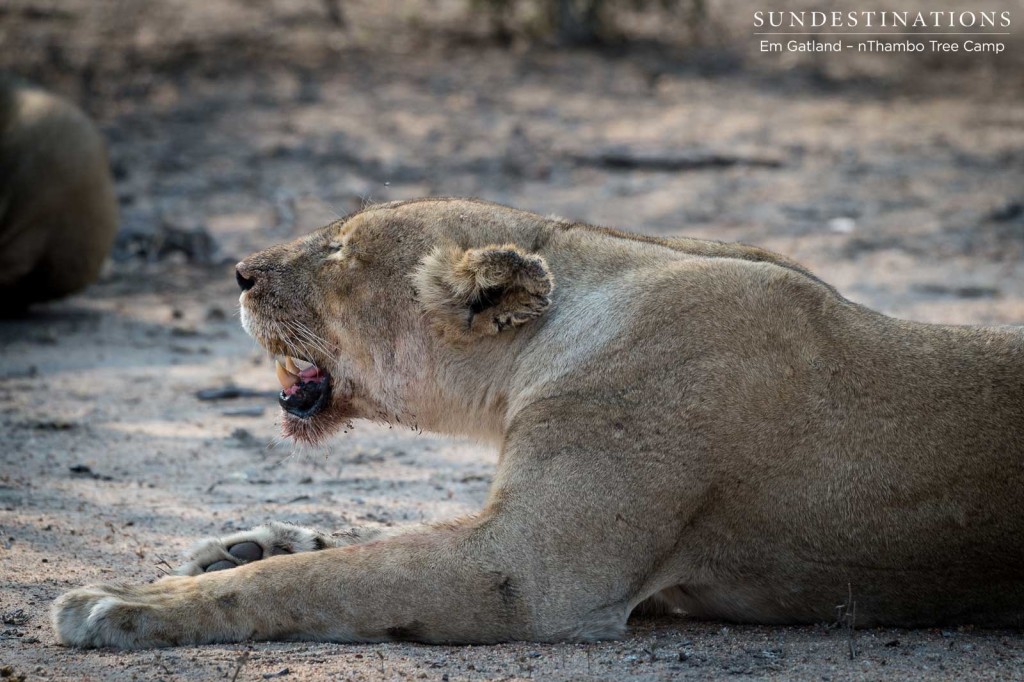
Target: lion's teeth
{"x":303,"y":365}
{"x":289,"y":364}
{"x":287,"y":379}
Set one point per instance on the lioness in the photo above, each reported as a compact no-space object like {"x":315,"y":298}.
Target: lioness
{"x":58,"y":212}
{"x":705,"y":424}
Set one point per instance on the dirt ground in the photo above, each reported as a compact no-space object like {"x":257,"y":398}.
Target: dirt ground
{"x":236,"y":125}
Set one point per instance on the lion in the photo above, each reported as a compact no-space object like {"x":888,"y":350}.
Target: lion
{"x":58,"y":210}
{"x":703,"y":426}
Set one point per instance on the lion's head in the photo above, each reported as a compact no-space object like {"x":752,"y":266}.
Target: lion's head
{"x":401,"y":312}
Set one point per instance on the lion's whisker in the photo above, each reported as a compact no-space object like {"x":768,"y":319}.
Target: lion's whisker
{"x":313,"y":338}
{"x":304,"y":337}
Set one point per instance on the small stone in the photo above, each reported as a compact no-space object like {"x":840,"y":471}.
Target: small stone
{"x":246,"y":411}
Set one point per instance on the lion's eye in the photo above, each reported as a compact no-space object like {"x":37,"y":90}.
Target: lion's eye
{"x":336,"y":251}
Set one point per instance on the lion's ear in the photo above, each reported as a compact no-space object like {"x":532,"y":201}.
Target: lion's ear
{"x":482,"y":292}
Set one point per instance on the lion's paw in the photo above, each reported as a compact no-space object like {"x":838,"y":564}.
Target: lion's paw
{"x":272,"y":539}
{"x":100,"y":615}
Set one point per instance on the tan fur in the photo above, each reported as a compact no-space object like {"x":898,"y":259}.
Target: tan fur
{"x":58,"y":212}
{"x":702,"y":423}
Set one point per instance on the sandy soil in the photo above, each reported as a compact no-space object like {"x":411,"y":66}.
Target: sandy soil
{"x":223,"y":124}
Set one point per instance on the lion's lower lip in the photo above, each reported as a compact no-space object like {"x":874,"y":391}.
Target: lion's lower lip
{"x":306,"y":399}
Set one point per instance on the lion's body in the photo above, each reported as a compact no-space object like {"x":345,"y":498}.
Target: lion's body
{"x":703,"y":423}
{"x":58,"y":212}
{"x":794,"y":448}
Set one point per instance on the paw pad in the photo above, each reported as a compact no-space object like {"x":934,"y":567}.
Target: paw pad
{"x":246,"y":551}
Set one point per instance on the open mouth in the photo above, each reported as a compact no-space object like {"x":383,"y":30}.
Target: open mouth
{"x":305,"y":388}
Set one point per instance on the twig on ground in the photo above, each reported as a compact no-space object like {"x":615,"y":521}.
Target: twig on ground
{"x":240,"y":663}
{"x":670,"y":162}
{"x":846,"y":618}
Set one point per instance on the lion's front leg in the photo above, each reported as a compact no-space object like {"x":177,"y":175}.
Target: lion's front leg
{"x":455,"y":583}
{"x":271,"y":539}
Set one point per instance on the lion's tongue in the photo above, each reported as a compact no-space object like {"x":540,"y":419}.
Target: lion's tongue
{"x":311,"y":373}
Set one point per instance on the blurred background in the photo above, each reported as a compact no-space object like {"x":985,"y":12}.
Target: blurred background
{"x":238,"y":122}
{"x":137,"y":416}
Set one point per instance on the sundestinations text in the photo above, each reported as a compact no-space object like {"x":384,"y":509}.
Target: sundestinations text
{"x":881,"y":19}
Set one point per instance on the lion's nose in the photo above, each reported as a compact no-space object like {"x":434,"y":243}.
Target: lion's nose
{"x":244,"y":282}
